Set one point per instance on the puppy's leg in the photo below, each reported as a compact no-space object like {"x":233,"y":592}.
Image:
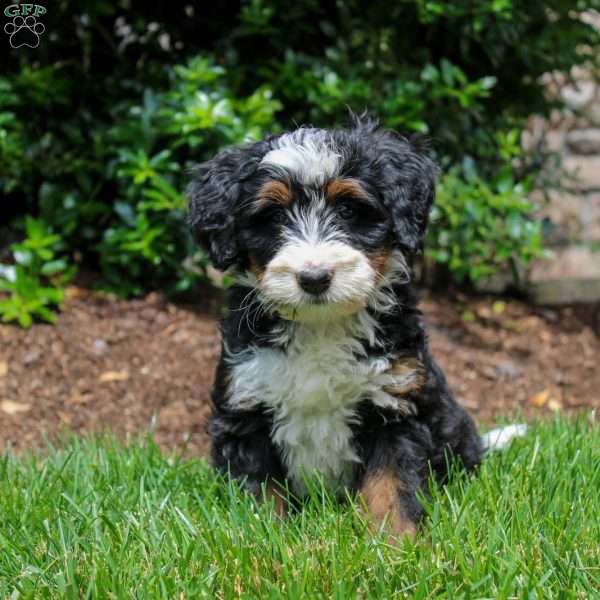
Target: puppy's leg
{"x":275,"y":492}
{"x":452,"y":428}
{"x":395,"y":461}
{"x":242,"y":447}
{"x":382,"y":495}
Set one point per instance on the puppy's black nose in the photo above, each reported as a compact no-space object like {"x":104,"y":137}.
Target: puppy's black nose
{"x":315,"y":281}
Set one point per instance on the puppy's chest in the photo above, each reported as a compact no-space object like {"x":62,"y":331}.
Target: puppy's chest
{"x":313,"y":389}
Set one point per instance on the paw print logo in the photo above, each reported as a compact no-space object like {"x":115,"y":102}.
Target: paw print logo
{"x":24,"y":31}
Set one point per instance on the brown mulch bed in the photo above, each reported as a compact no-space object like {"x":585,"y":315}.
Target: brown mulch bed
{"x":139,"y":365}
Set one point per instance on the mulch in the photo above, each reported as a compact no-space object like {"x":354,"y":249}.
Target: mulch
{"x":146,"y":365}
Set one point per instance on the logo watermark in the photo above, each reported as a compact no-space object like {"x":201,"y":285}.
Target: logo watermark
{"x":24,"y":29}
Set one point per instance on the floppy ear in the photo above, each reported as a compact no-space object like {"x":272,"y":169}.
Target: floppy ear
{"x":213,"y":197}
{"x":410,"y":177}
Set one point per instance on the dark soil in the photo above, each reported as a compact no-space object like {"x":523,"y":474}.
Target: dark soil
{"x":147,"y":365}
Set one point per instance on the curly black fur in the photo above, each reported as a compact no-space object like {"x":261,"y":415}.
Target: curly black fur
{"x":398,"y":178}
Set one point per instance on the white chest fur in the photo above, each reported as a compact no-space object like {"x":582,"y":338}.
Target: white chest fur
{"x":313,"y":389}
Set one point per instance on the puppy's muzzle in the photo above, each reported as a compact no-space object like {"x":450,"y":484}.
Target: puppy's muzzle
{"x":315,"y":281}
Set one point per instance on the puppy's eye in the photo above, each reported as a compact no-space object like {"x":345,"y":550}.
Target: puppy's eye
{"x":271,"y":215}
{"x":358,"y":213}
{"x":347,"y":211}
{"x":278,"y":216}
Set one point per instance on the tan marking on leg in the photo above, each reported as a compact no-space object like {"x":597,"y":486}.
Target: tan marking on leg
{"x":274,"y":192}
{"x":409,"y":375}
{"x":379,"y":494}
{"x":275,"y":492}
{"x":348,"y":188}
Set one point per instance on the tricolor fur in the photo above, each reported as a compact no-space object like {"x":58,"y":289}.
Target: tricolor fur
{"x":325,"y":365}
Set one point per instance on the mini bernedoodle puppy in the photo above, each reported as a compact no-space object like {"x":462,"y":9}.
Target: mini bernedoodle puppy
{"x":325,"y":366}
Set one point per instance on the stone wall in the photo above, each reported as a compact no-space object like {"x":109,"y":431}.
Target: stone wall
{"x":572,"y":213}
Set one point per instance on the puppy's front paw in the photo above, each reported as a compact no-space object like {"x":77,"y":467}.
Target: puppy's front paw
{"x":380,"y":501}
{"x":273,"y":492}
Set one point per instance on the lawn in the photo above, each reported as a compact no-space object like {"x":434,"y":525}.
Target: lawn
{"x":97,"y":519}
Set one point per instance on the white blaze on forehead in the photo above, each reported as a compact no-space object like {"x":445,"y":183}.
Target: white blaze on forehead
{"x":306,"y":154}
{"x":313,"y":223}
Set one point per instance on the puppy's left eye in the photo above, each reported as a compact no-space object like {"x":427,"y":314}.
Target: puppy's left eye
{"x":358,"y":211}
{"x":347,"y":211}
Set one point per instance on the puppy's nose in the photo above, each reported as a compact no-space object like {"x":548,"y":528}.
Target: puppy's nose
{"x":315,"y":281}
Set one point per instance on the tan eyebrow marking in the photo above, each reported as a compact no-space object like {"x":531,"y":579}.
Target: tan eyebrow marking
{"x":344,"y":187}
{"x":274,"y":191}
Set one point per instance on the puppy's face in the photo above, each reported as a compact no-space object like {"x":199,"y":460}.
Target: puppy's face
{"x":319,"y":243}
{"x":313,"y":222}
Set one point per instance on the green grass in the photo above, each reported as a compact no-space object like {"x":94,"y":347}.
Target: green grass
{"x":98,"y":520}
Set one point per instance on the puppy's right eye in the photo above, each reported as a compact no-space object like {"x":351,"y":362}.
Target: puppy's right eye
{"x":279,"y":216}
{"x":270,"y":215}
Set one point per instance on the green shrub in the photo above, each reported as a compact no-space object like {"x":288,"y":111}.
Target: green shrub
{"x":480,"y":227}
{"x":459,"y":71}
{"x":12,"y":142}
{"x":99,"y":125}
{"x":477,"y":228}
{"x":154,"y":144}
{"x":33,"y":285}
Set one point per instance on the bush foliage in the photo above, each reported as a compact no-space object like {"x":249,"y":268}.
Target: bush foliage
{"x":100,"y":124}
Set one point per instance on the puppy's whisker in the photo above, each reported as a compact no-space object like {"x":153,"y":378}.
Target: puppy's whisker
{"x":258,"y":312}
{"x":245,"y":301}
{"x":255,"y":312}
{"x":246,"y":306}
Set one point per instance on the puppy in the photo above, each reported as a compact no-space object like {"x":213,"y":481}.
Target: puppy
{"x":325,"y":366}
